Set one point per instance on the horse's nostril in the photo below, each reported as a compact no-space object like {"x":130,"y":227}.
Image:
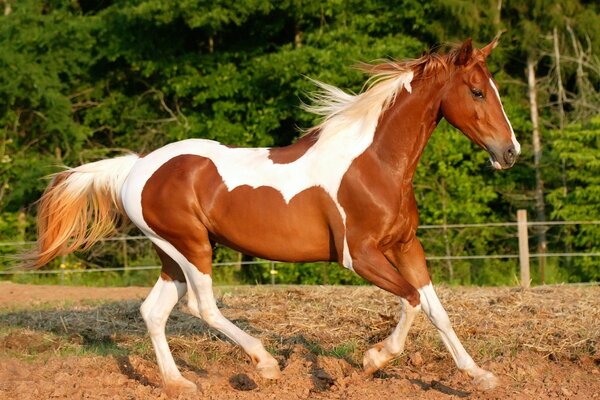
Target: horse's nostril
{"x":510,"y":155}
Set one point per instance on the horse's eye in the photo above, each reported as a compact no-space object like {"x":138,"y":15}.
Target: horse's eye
{"x":478,"y":93}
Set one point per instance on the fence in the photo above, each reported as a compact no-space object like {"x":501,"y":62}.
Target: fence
{"x":523,"y":256}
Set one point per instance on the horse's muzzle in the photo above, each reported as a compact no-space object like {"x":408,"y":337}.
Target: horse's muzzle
{"x":505,"y":159}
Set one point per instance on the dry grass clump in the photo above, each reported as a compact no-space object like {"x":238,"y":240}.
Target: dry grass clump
{"x":557,"y":322}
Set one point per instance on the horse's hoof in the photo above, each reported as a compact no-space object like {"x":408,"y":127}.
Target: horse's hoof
{"x":369,"y":364}
{"x":174,"y":387}
{"x":375,"y":358}
{"x":269,"y":369}
{"x":486,"y":381}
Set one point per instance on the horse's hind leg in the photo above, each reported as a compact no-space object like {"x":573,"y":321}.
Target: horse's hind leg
{"x":155,"y":310}
{"x":195,"y":258}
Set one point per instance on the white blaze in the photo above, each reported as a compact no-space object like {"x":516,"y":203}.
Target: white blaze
{"x":513,"y":137}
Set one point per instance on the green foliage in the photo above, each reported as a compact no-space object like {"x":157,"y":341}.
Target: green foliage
{"x":82,"y":80}
{"x":42,"y":60}
{"x":577,"y":147}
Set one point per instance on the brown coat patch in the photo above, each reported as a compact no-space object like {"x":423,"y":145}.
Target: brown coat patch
{"x":289,"y":154}
{"x":187,"y":194}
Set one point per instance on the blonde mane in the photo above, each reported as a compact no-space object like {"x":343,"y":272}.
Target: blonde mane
{"x":387,"y":79}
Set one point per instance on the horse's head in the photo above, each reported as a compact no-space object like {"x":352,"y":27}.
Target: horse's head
{"x":471,"y":102}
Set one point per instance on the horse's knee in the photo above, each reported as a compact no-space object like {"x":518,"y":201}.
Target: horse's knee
{"x":438,"y":316}
{"x":412,"y":296}
{"x":148,"y":312}
{"x":145,"y":313}
{"x":434,"y":310}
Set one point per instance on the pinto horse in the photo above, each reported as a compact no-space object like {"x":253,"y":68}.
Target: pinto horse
{"x":343,"y":192}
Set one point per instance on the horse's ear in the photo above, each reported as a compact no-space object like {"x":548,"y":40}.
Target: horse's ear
{"x":465,"y":52}
{"x":487,"y":50}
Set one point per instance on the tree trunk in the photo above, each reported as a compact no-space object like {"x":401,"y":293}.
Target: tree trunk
{"x":211,"y":44}
{"x":7,"y":7}
{"x":298,"y":37}
{"x":498,"y":16}
{"x":537,"y":157}
{"x":579,"y":54}
{"x":586,"y":102}
{"x":561,"y":97}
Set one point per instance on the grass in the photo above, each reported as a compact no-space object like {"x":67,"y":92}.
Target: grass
{"x":92,"y":279}
{"x":343,"y":350}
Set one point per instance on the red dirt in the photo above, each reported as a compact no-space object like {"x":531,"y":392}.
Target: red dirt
{"x":17,"y":295}
{"x":34,"y":364}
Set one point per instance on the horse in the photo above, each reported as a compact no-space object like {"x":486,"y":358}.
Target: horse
{"x":343,"y":192}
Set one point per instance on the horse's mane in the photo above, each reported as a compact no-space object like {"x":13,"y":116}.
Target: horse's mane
{"x":387,"y":79}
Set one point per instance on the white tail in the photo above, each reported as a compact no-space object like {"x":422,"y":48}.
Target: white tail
{"x":80,"y":206}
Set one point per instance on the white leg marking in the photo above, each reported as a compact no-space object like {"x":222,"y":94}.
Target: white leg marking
{"x":437,"y":315}
{"x":393,"y":345}
{"x":398,"y":337}
{"x":203,"y":305}
{"x":155,"y":311}
{"x":209,"y":312}
{"x":435,"y":312}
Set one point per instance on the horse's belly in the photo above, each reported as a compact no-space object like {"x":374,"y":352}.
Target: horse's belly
{"x":258,"y":221}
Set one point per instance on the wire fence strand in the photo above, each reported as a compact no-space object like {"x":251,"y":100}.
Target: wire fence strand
{"x":263,"y":262}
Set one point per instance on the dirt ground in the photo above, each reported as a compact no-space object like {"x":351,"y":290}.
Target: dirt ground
{"x":90,"y":343}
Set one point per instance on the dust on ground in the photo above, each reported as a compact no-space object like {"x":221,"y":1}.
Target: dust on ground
{"x":81,"y":342}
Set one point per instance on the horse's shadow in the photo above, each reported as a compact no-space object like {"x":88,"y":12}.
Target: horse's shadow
{"x":103,"y":329}
{"x":99,"y":329}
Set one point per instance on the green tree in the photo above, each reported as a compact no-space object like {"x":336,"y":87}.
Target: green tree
{"x":84,"y":80}
{"x":578,"y":199}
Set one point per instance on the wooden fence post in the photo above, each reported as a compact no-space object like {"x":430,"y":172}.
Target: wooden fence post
{"x":523,"y":248}
{"x":63,"y":267}
{"x":125,"y":259}
{"x":273,"y":273}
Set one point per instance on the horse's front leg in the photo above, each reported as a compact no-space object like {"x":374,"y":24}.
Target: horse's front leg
{"x":410,"y":262}
{"x":385,"y":351}
{"x":371,"y":264}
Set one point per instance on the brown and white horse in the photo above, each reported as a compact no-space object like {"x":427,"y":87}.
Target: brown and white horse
{"x":342,"y":193}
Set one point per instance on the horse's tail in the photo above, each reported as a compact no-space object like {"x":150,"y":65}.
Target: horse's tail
{"x":80,"y":206}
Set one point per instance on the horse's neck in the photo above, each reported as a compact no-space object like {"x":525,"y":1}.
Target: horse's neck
{"x":404,"y":129}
